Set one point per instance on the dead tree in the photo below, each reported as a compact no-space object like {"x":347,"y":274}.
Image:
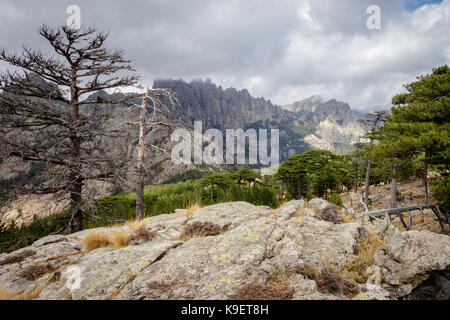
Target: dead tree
{"x":154,"y":100}
{"x":43,"y":112}
{"x":357,"y":162}
{"x":371,"y":123}
{"x":394,"y":186}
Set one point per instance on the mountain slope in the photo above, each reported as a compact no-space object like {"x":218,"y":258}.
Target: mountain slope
{"x":232,"y":109}
{"x":336,"y":126}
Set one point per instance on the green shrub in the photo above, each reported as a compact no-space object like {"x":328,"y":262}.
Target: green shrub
{"x":441,"y":192}
{"x":336,"y":200}
{"x":158,"y":199}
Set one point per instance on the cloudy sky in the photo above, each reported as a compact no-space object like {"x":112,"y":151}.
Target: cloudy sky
{"x":283,"y":50}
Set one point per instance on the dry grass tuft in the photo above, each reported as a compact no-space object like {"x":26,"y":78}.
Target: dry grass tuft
{"x":190,"y":210}
{"x":6,"y":294}
{"x":116,"y":240}
{"x":348,"y":218}
{"x":275,"y":211}
{"x":18,"y":257}
{"x":36,"y":271}
{"x":62,"y":256}
{"x":95,"y":240}
{"x":308,"y":270}
{"x":141,"y":234}
{"x":201,"y":229}
{"x":119,"y":239}
{"x":136,"y":224}
{"x":31,"y":295}
{"x":329,"y":282}
{"x":356,"y":269}
{"x":275,"y":289}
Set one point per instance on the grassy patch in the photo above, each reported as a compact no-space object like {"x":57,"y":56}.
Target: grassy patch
{"x":36,"y":271}
{"x":191,"y":208}
{"x":17,"y":258}
{"x":117,"y":239}
{"x":329,"y":281}
{"x":6,"y":294}
{"x":95,"y":240}
{"x":23,"y":295}
{"x":275,"y":289}
{"x":357,"y":268}
{"x":201,"y":229}
{"x":141,"y":234}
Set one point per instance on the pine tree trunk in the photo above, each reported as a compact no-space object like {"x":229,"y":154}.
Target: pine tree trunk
{"x":212,"y":193}
{"x":76,"y":223}
{"x":355,"y":185}
{"x":299,"y":190}
{"x":76,"y":188}
{"x":394,"y":188}
{"x":425,"y":179}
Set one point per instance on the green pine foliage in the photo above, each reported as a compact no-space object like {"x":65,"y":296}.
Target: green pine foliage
{"x":336,"y":200}
{"x":418,"y":131}
{"x":316,"y":173}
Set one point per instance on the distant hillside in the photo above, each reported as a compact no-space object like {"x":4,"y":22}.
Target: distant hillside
{"x":336,"y":126}
{"x":317,"y":109}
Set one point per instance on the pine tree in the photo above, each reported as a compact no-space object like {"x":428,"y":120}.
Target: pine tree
{"x":41,"y":107}
{"x":420,"y":120}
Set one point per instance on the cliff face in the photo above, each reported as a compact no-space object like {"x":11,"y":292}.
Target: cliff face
{"x":306,"y":124}
{"x":336,"y":126}
{"x":232,"y":109}
{"x":332,"y":136}
{"x":317,"y":109}
{"x":221,"y":109}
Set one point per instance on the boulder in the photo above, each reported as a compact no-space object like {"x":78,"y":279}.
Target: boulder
{"x":318,"y":204}
{"x":410,"y":258}
{"x":331,"y":213}
{"x":290,"y":209}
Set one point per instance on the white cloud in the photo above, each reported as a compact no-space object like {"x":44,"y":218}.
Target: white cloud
{"x":284,"y":50}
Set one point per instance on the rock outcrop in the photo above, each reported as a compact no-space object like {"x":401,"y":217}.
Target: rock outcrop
{"x":336,"y":126}
{"x":225,"y":251}
{"x":411,"y":257}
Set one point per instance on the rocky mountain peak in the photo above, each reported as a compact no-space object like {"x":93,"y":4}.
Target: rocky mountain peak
{"x":319,"y":109}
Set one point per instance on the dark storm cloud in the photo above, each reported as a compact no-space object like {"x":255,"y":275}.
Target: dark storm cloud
{"x":283,"y":50}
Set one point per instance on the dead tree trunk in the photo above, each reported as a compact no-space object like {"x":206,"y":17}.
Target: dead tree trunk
{"x":372,"y":121}
{"x":394,"y":188}
{"x":367,"y":183}
{"x":299,"y":190}
{"x":140,"y":162}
